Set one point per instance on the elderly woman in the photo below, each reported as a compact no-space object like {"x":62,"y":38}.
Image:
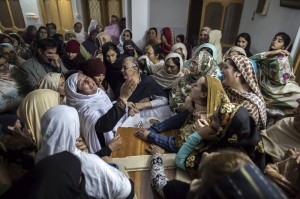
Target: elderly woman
{"x":98,"y":116}
{"x":277,"y":78}
{"x":148,"y":93}
{"x":101,"y":179}
{"x":10,"y":54}
{"x":169,"y":75}
{"x":204,"y":98}
{"x":9,"y":97}
{"x":241,"y":86}
{"x":231,"y":126}
{"x":201,"y":65}
{"x":33,"y":107}
{"x":55,"y":82}
{"x":152,"y":61}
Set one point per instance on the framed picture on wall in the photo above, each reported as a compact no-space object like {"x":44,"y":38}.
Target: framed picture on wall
{"x":290,"y":3}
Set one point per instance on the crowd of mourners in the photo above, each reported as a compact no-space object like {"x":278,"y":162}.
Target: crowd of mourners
{"x":63,"y":97}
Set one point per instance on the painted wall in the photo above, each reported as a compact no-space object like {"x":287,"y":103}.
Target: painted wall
{"x":31,"y":6}
{"x":171,"y":13}
{"x":263,"y":28}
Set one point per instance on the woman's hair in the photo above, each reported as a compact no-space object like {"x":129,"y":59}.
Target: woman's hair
{"x":134,"y":61}
{"x":219,"y":166}
{"x":110,"y":46}
{"x":156,"y":50}
{"x":153,"y":28}
{"x":286,"y":39}
{"x":247,"y":37}
{"x":207,"y":49}
{"x":236,"y":69}
{"x":41,"y":28}
{"x":181,"y":37}
{"x":30,"y":29}
{"x":130,"y":33}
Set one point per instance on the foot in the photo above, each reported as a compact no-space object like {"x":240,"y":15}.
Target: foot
{"x":142,"y":134}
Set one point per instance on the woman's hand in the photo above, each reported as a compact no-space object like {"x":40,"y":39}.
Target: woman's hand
{"x":81,"y":145}
{"x":116,"y":143}
{"x":155,"y":149}
{"x":143,"y":105}
{"x":204,"y":130}
{"x":132,"y":109}
{"x":127,"y":89}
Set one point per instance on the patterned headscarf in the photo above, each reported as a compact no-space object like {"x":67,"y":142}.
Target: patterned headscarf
{"x":237,"y":129}
{"x":246,"y":68}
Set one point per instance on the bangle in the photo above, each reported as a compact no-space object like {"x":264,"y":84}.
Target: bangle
{"x":121,"y":103}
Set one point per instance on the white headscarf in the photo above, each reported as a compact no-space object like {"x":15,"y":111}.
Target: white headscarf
{"x":93,"y":25}
{"x":80,"y":36}
{"x":90,"y":109}
{"x":60,"y":129}
{"x":121,"y":40}
{"x":183,"y":48}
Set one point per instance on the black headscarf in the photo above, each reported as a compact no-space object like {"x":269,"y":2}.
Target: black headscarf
{"x":134,"y":46}
{"x":145,"y":89}
{"x":55,"y":177}
{"x":237,"y":130}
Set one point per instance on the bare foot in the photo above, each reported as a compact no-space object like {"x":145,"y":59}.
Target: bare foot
{"x":155,"y":149}
{"x":142,"y":134}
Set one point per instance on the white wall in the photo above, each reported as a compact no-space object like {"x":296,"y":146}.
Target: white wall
{"x":263,"y":28}
{"x":31,"y":6}
{"x":169,"y":13}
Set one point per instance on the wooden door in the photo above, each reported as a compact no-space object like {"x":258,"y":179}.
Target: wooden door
{"x":223,"y":15}
{"x":59,"y":12}
{"x":11,"y":16}
{"x":297,"y":65}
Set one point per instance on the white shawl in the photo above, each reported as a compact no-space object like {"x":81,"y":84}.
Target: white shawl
{"x":60,"y":129}
{"x":90,"y":109}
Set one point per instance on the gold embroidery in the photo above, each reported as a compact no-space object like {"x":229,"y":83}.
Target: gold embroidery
{"x":260,"y":147}
{"x":233,"y":139}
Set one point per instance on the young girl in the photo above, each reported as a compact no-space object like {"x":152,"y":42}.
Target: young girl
{"x":277,"y":79}
{"x":96,"y":70}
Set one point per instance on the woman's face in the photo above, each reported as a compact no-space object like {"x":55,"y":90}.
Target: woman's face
{"x":150,"y":53}
{"x":178,"y":40}
{"x":152,"y":34}
{"x":128,"y":70}
{"x":171,"y":67}
{"x":233,"y":53}
{"x":242,"y":42}
{"x":111,"y":56}
{"x":72,"y":56}
{"x":196,"y":93}
{"x":126,"y":36}
{"x":194,"y":65}
{"x":61,"y":86}
{"x":277,"y":43}
{"x":9,"y":54}
{"x":78,"y":28}
{"x":4,"y":66}
{"x":99,"y":78}
{"x":230,"y":77}
{"x":15,"y":42}
{"x":43,"y":33}
{"x":85,"y":85}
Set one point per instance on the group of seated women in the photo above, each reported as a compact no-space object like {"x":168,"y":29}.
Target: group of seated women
{"x":224,"y":109}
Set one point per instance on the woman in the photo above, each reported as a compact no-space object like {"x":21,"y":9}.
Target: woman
{"x":5,"y":38}
{"x":21,"y":47}
{"x":241,"y":86}
{"x":152,"y":37}
{"x":113,"y":62}
{"x":30,"y":34}
{"x":277,"y":79}
{"x":101,"y":179}
{"x":152,"y":61}
{"x":215,"y":39}
{"x":42,"y":33}
{"x":148,"y":93}
{"x":79,"y":31}
{"x":181,"y":50}
{"x":69,"y":35}
{"x":10,"y":54}
{"x":126,"y":35}
{"x":9,"y":96}
{"x":204,"y":98}
{"x":201,"y":65}
{"x":55,"y":82}
{"x":73,"y":59}
{"x":96,"y":70}
{"x":243,"y":40}
{"x":33,"y":107}
{"x":168,"y":40}
{"x":231,"y":126}
{"x":169,"y":75}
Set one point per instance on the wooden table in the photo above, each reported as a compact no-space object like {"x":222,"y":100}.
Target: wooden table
{"x":133,"y":146}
